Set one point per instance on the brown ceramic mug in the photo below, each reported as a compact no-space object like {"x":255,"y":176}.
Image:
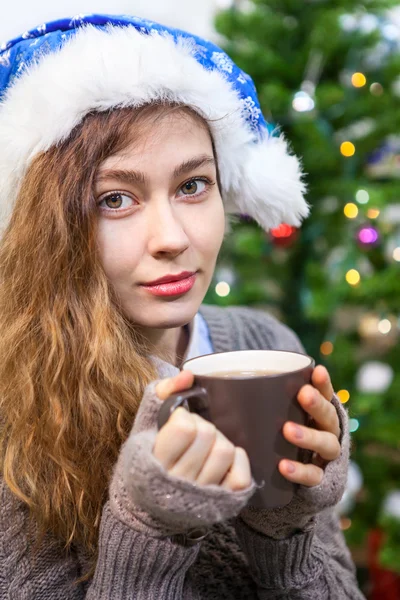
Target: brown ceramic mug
{"x":249,"y":395}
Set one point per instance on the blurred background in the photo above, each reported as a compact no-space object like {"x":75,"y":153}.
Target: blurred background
{"x":329,"y":74}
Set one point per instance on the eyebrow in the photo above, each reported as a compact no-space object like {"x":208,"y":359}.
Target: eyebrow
{"x":134,"y":177}
{"x":193,"y":163}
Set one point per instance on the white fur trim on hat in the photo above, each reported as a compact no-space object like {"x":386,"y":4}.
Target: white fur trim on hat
{"x":99,"y":69}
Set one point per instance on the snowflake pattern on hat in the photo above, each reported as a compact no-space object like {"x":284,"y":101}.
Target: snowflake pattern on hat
{"x":222,"y":61}
{"x":53,"y":75}
{"x":251,"y":111}
{"x":17,"y":54}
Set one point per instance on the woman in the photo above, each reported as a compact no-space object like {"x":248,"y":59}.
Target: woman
{"x":124,"y":145}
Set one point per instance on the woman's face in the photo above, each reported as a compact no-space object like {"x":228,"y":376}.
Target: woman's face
{"x":161,"y":216}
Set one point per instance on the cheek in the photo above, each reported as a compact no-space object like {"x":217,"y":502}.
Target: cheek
{"x":120,"y":251}
{"x":208,"y":229}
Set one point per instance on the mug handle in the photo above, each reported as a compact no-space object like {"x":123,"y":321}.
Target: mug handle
{"x":181,"y":399}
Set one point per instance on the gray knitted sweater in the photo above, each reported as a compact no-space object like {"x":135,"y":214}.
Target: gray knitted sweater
{"x":296,"y":552}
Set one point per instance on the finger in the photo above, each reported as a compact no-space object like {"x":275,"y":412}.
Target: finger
{"x":239,"y":475}
{"x":308,"y":475}
{"x":171,"y":385}
{"x":189,"y":465}
{"x":322,"y":381}
{"x":175,"y":437}
{"x":324,"y":443}
{"x":320,"y":409}
{"x":218,"y":462}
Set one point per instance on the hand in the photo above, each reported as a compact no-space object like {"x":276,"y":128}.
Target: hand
{"x":322,"y":438}
{"x":192,"y":448}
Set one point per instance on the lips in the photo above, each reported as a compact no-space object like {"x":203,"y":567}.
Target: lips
{"x":170,"y":278}
{"x":171,"y":285}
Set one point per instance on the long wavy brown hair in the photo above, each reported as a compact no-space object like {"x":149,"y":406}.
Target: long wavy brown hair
{"x":72,"y":366}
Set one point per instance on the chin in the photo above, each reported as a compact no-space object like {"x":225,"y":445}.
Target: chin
{"x":166,"y":314}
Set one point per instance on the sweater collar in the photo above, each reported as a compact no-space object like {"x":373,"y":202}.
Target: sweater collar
{"x":220,"y":328}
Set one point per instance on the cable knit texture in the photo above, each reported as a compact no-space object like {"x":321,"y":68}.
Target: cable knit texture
{"x":296,"y":553}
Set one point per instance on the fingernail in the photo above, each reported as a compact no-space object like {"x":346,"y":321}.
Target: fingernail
{"x":298,"y":432}
{"x":290,"y":467}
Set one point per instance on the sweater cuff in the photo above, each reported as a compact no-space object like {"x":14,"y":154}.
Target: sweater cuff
{"x":129,"y":561}
{"x":288,"y":564}
{"x":147,"y":498}
{"x":307,"y":502}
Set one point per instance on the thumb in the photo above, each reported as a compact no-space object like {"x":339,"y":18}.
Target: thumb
{"x":153,"y":397}
{"x":180,"y":382}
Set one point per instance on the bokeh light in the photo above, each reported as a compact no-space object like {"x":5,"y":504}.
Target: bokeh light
{"x":345,"y":523}
{"x":353,"y":277}
{"x":373,"y":213}
{"x":358,"y":80}
{"x":362,"y":196}
{"x":347,"y":149}
{"x":222,"y":289}
{"x":344,"y":396}
{"x":376,"y":89}
{"x":354,"y":424}
{"x":351,"y":210}
{"x":396,"y":254}
{"x":368,"y":235}
{"x":326,"y":348}
{"x":302,"y":102}
{"x":384,"y":326}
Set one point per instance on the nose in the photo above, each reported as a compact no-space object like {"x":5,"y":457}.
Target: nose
{"x":167,"y":235}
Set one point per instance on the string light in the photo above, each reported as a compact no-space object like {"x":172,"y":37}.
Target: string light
{"x":376,"y":89}
{"x":368,"y":235}
{"x":345,"y":523}
{"x":362,"y":196}
{"x":368,"y":326}
{"x":353,"y":277}
{"x":373,"y":213}
{"x":344,"y":396}
{"x":326,"y":348}
{"x":354,"y":424}
{"x":303,"y":102}
{"x":347,"y":149}
{"x":222,"y":289}
{"x":358,"y":80}
{"x":384,"y":326}
{"x":350,"y":210}
{"x":396,"y":254}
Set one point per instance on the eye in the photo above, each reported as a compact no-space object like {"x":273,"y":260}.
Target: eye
{"x":115,"y":201}
{"x":194,"y":187}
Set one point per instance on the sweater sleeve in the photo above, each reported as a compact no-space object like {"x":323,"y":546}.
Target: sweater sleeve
{"x":308,"y":565}
{"x":299,"y":553}
{"x":130,"y":564}
{"x":140,"y":553}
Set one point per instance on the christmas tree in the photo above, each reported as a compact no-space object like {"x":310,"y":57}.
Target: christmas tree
{"x":328,"y":74}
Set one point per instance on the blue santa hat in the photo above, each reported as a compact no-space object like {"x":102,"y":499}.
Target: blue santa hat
{"x":54,"y":75}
